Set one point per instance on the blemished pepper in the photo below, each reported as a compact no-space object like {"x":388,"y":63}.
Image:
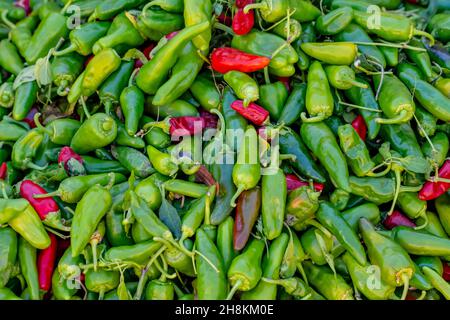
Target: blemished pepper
{"x":337,"y":53}
{"x":111,"y":89}
{"x":65,"y":70}
{"x":211,"y":284}
{"x":272,"y":97}
{"x":365,"y":282}
{"x":247,"y":212}
{"x":96,"y":132}
{"x":8,"y":251}
{"x":302,"y":204}
{"x":7,"y":95}
{"x":295,"y":105}
{"x":25,"y":149}
{"x":205,"y":92}
{"x":184,"y":76}
{"x":25,"y":98}
{"x":226,"y":59}
{"x":253,"y":112}
{"x":243,"y":85}
{"x":335,"y":21}
{"x":267,"y":45}
{"x":82,"y":39}
{"x":322,"y":142}
{"x":245,"y":270}
{"x":246,"y":171}
{"x":271,"y":269}
{"x":355,"y":150}
{"x":108,"y":9}
{"x":225,"y":242}
{"x":442,"y":206}
{"x":154,"y":72}
{"x":319,"y":100}
{"x":331,"y":286}
{"x":343,"y":77}
{"x":72,"y":189}
{"x":101,"y":281}
{"x":98,"y":70}
{"x":10,"y":59}
{"x":419,"y":243}
{"x":27,"y":256}
{"x":396,"y":266}
{"x":199,"y":12}
{"x":122,"y":32}
{"x":134,"y":160}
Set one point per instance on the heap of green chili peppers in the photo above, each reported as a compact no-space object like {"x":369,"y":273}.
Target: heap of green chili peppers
{"x":209,"y":150}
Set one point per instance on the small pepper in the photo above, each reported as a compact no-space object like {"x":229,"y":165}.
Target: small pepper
{"x":243,"y":22}
{"x":28,"y":266}
{"x":247,"y":212}
{"x":343,"y":78}
{"x":46,"y":263}
{"x":336,"y":53}
{"x":293,"y":183}
{"x":71,"y":161}
{"x":396,"y":218}
{"x":25,"y":149}
{"x":25,"y":98}
{"x":253,"y":112}
{"x":432,"y":190}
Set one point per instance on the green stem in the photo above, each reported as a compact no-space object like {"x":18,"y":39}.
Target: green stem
{"x":426,"y":35}
{"x":143,"y":276}
{"x":318,"y":118}
{"x":389,"y":45}
{"x":266,"y":75}
{"x":424,"y":216}
{"x":405,"y":279}
{"x":236,"y":195}
{"x":359,"y":107}
{"x":85,"y":109}
{"x":233,"y":290}
{"x":397,"y":190}
{"x":4,"y":17}
{"x":402,"y":117}
{"x":223,"y":27}
{"x":71,"y":48}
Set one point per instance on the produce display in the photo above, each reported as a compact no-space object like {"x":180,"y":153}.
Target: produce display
{"x":224,"y":149}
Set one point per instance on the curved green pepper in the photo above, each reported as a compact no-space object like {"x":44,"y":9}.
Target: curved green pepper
{"x":270,"y":10}
{"x":273,"y":97}
{"x":10,"y":59}
{"x":25,"y":149}
{"x":8,"y":254}
{"x":343,"y":77}
{"x":295,"y":105}
{"x":154,"y":23}
{"x":243,"y":85}
{"x":101,"y":281}
{"x":25,"y":98}
{"x":338,"y":53}
{"x":134,"y":161}
{"x":335,"y":21}
{"x":197,"y":12}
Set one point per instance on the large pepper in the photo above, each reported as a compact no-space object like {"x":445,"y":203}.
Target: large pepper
{"x":322,"y":142}
{"x":267,"y":45}
{"x":273,"y":97}
{"x":154,"y":72}
{"x":338,"y":53}
{"x":368,"y":211}
{"x":25,"y":97}
{"x":10,"y":59}
{"x":419,"y":243}
{"x":154,"y":23}
{"x":319,"y":100}
{"x":305,"y":11}
{"x":65,"y":70}
{"x":108,"y":9}
{"x":121,"y":32}
{"x":199,"y":12}
{"x":402,"y":139}
{"x":25,"y":149}
{"x":343,"y":77}
{"x":21,"y":33}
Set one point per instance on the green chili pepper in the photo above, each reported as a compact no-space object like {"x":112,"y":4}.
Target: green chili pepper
{"x":178,"y":108}
{"x":402,"y":139}
{"x":179,"y":260}
{"x":428,"y":123}
{"x":154,"y":73}
{"x":354,"y":32}
{"x":439,"y":150}
{"x":139,"y":234}
{"x":7,"y":294}
{"x":198,"y":12}
{"x":321,"y":141}
{"x":101,"y":281}
{"x":83,"y":38}
{"x":133,"y":160}
{"x":108,"y":9}
{"x":355,"y":150}
{"x":10,"y":131}
{"x":270,"y":11}
{"x":273,"y":97}
{"x":25,"y":98}
{"x":418,"y":243}
{"x":412,"y":206}
{"x":335,"y":21}
{"x":155,"y":22}
{"x":339,"y":199}
{"x":96,"y":132}
{"x":49,"y":32}
{"x":60,"y":131}
{"x":8,"y":254}
{"x":138,"y":253}
{"x":319,"y":101}
{"x":99,"y":69}
{"x":290,"y":29}
{"x":7,"y":96}
{"x":295,"y":105}
{"x":245,"y":270}
{"x":442,"y":205}
{"x":95,"y":166}
{"x":25,"y":149}
{"x":132,"y":102}
{"x":246,"y":171}
{"x":305,"y":11}
{"x":437,"y":281}
{"x":234,"y":122}
{"x":332,"y":286}
{"x":225,"y":242}
{"x":368,"y":211}
{"x":271,"y":269}
{"x":268,"y":45}
{"x":27,"y":255}
{"x":396,"y":266}
{"x":65,"y":70}
{"x":337,"y":53}
{"x":364,"y":280}
{"x":75,"y":91}
{"x":10,"y":59}
{"x":162,"y":162}
{"x":124,"y":139}
{"x":301,"y":206}
{"x":391,"y":55}
{"x":159,"y":290}
{"x":205,"y":92}
{"x":155,"y":137}
{"x":211,"y":284}
{"x":243,"y":85}
{"x":22,"y":33}
{"x":147,"y":190}
{"x":343,"y":77}
{"x":115,"y":232}
{"x":89,"y":211}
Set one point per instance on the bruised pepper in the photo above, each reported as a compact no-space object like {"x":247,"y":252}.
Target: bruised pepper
{"x":319,"y":100}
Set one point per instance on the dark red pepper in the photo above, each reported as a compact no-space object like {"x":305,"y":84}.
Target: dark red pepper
{"x":147,"y":50}
{"x":247,"y":212}
{"x":225,"y":19}
{"x":446,"y":273}
{"x":293,"y":182}
{"x":254,"y":113}
{"x":63,"y":244}
{"x":3,"y":171}
{"x":243,"y":22}
{"x":72,"y":162}
{"x":227,"y":59}
{"x":242,"y":3}
{"x":25,"y":4}
{"x":211,"y":119}
{"x":286,"y":81}
{"x":397,"y":219}
{"x":46,"y":263}
{"x":432,"y":190}
{"x":29,"y":119}
{"x":205,"y":177}
{"x":186,"y":126}
{"x":360,"y":127}
{"x":46,"y":208}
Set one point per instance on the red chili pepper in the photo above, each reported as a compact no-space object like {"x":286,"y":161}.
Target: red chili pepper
{"x":211,"y":120}
{"x":63,"y":244}
{"x":360,"y":127}
{"x":247,"y":212}
{"x":138,"y":63}
{"x":205,"y":177}
{"x":25,"y":4}
{"x":432,"y":190}
{"x":446,"y":273}
{"x":256,"y":114}
{"x":186,"y":126}
{"x":225,"y":19}
{"x":242,"y":3}
{"x":397,"y":219}
{"x":286,"y":81}
{"x":3,"y":171}
{"x":72,"y":162}
{"x":30,"y":118}
{"x":46,"y":263}
{"x":227,"y":59}
{"x":243,"y":22}
{"x":293,"y":182}
{"x":171,"y":35}
{"x":44,"y":206}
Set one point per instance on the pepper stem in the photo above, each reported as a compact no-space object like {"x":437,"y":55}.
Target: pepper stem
{"x":33,"y":166}
{"x":397,"y":190}
{"x":143,"y":276}
{"x":405,"y":279}
{"x":159,"y":124}
{"x":426,"y":35}
{"x":402,"y":117}
{"x":425,"y":222}
{"x":357,"y":84}
{"x":62,"y":90}
{"x":318,"y":118}
{"x":223,"y":27}
{"x":233,"y":290}
{"x":389,"y":45}
{"x":324,"y":230}
{"x":422,"y":295}
{"x":302,"y":272}
{"x":56,"y":193}
{"x":71,"y":48}
{"x":6,"y":21}
{"x":266,"y":75}
{"x":85,"y":109}
{"x":39,"y":124}
{"x":236,"y":195}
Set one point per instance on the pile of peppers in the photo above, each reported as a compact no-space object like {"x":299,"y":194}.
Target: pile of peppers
{"x":211,"y":150}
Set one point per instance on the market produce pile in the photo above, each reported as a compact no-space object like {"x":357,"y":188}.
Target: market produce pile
{"x":209,"y":150}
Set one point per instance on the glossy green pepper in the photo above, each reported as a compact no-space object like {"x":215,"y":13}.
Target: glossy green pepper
{"x":225,"y":241}
{"x":290,"y":30}
{"x":139,"y":253}
{"x":243,"y":85}
{"x":442,"y":205}
{"x":25,"y":98}
{"x":108,"y":9}
{"x":419,"y":243}
{"x":27,"y":256}
{"x":8,"y":254}
{"x":368,"y":211}
{"x":197,"y":12}
{"x":65,"y":70}
{"x":343,"y":77}
{"x":338,"y":53}
{"x":101,"y":281}
{"x":154,"y":23}
{"x":25,"y":149}
{"x":295,"y":105}
{"x":335,"y":21}
{"x":402,"y":139}
{"x":273,"y":97}
{"x":10,"y":59}
{"x":302,"y":204}
{"x":206,"y":93}
{"x":271,"y":11}
{"x":134,"y":161}
{"x":95,"y":166}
